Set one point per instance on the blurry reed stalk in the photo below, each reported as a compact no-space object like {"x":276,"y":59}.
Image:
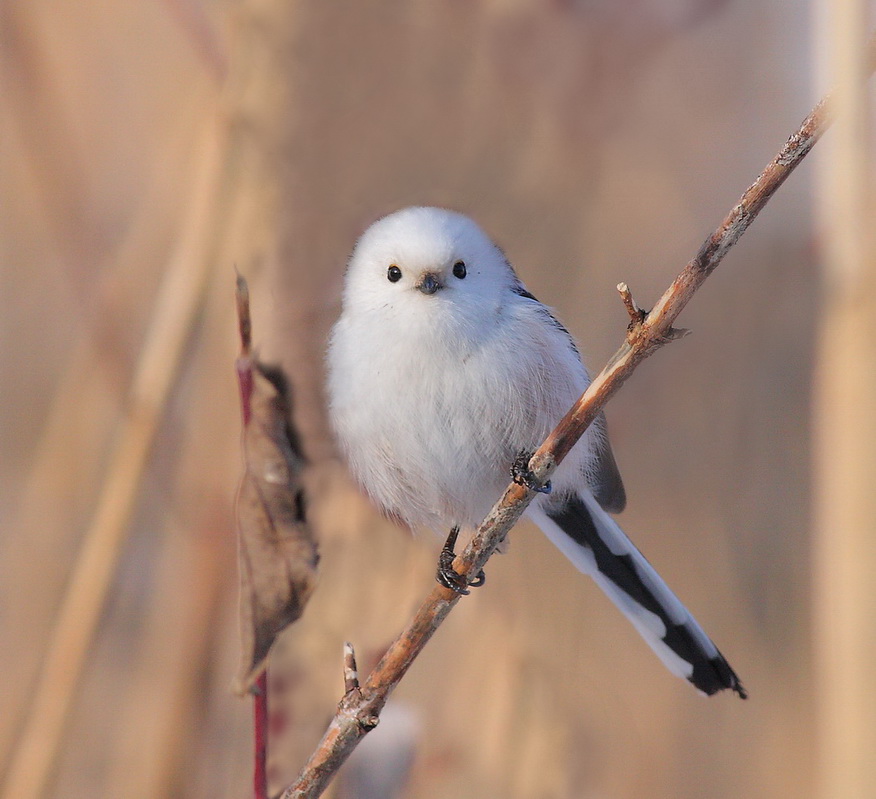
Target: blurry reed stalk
{"x":176,"y":311}
{"x":156,"y":743}
{"x":163,"y":699}
{"x":844,"y":549}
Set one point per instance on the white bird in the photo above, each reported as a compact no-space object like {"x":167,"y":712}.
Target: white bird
{"x":442,"y":370}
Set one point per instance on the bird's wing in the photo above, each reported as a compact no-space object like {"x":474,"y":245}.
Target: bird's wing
{"x":604,"y":479}
{"x":603,"y":476}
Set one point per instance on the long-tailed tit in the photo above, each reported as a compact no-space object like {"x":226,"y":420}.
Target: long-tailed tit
{"x":443,"y":369}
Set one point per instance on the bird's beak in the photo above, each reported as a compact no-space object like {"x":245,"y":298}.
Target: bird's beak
{"x":429,"y":283}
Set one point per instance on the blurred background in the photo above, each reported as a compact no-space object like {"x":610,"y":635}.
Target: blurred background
{"x":150,"y":148}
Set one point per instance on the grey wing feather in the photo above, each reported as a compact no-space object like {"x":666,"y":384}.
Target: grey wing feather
{"x":605,"y":480}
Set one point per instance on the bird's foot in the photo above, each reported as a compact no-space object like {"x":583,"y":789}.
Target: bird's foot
{"x":446,"y":575}
{"x":522,"y":474}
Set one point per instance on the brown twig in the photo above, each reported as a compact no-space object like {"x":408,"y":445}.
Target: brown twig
{"x":637,"y":314}
{"x":358,"y":711}
{"x":351,"y":671}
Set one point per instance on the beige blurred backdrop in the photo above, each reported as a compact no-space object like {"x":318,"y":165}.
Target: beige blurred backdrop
{"x":148,"y":149}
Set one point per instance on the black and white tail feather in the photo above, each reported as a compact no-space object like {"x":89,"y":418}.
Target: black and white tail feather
{"x":597,"y":546}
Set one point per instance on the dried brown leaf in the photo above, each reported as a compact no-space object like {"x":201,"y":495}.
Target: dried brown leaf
{"x":277,"y":550}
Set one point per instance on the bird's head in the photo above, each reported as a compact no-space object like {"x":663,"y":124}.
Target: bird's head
{"x":428,"y":261}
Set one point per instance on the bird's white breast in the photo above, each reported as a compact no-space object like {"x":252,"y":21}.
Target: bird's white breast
{"x":432,"y":408}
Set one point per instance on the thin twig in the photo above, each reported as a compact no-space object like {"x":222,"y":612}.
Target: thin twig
{"x":358,"y":711}
{"x":351,"y":671}
{"x":637,"y":314}
{"x":260,"y":737}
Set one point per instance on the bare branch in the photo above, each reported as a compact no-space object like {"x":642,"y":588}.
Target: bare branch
{"x":359,"y":710}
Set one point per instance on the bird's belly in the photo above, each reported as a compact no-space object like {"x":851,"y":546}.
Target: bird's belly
{"x":438,"y":452}
{"x":431,"y":431}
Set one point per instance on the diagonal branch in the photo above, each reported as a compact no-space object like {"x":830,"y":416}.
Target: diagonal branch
{"x":358,"y":712}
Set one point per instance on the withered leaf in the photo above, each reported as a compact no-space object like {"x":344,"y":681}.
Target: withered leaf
{"x":277,"y":551}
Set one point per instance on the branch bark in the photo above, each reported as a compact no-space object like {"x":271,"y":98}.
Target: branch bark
{"x":359,"y":710}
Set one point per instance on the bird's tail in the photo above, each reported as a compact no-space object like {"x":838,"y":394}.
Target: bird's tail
{"x":593,"y":541}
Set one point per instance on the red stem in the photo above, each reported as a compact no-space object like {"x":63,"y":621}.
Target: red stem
{"x":244,"y":367}
{"x":245,"y":384}
{"x":260,"y":706}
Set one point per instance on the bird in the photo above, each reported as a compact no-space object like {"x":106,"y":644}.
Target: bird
{"x":443,"y":374}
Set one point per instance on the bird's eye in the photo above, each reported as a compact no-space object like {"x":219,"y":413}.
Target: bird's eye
{"x":459,"y":269}
{"x":393,"y":274}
